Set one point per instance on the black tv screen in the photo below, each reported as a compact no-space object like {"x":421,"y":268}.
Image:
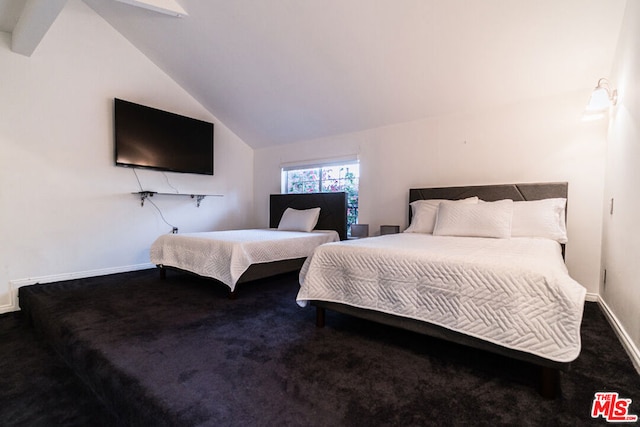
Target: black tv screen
{"x":146,"y":137}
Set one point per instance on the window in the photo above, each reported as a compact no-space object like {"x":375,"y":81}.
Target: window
{"x":327,"y":179}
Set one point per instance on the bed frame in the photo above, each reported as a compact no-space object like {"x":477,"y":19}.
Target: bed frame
{"x":333,"y":216}
{"x":549,"y":379}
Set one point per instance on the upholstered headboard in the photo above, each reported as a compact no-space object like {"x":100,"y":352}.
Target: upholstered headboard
{"x":333,"y":209}
{"x":490,"y":193}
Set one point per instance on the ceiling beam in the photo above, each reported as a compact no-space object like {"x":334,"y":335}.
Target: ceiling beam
{"x":168,"y":7}
{"x":34,"y":22}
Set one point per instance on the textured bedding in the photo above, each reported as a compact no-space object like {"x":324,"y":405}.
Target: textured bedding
{"x":225,"y":255}
{"x":512,"y":292}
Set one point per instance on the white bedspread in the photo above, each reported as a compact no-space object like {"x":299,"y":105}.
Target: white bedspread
{"x":225,"y":255}
{"x":513,"y":292}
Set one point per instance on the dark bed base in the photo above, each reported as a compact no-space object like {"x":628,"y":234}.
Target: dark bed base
{"x":549,"y":371}
{"x":254,"y":272}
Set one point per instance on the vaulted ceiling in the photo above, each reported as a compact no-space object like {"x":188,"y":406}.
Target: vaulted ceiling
{"x":281,"y":71}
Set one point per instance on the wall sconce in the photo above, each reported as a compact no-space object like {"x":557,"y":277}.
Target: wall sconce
{"x":602,"y":97}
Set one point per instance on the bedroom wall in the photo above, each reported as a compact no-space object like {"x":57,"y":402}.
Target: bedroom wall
{"x":67,"y":211}
{"x":621,"y":239}
{"x":539,"y":140}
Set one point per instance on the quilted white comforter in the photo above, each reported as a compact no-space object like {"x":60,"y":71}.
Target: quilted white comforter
{"x":513,"y":292}
{"x":225,"y":255}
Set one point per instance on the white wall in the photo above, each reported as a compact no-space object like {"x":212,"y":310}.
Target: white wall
{"x":540,"y":140}
{"x":621,"y":242}
{"x":66,"y":210}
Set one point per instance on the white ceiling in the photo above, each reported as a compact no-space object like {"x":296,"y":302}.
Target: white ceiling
{"x":281,"y":71}
{"x":9,"y":14}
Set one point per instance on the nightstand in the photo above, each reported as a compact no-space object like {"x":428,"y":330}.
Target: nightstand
{"x":359,"y":231}
{"x":389,"y":229}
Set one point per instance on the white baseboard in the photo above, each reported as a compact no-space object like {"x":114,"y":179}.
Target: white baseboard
{"x":14,"y":285}
{"x":7,"y":307}
{"x":592,"y":297}
{"x":623,"y":336}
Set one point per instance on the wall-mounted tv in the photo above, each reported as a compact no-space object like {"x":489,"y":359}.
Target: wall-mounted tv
{"x":146,"y":137}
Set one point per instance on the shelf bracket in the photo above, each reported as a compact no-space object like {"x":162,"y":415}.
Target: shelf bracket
{"x":143,"y":196}
{"x":199,"y":198}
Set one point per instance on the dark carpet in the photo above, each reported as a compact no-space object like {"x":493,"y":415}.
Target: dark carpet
{"x":36,"y":387}
{"x":179,"y":352}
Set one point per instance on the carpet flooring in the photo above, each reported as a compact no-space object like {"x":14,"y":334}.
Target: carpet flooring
{"x":37,"y":389}
{"x":178,"y":352}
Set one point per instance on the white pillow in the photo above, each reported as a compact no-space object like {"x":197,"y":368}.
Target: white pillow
{"x":540,"y":218}
{"x":299,"y":220}
{"x":424,"y":212}
{"x":490,"y":219}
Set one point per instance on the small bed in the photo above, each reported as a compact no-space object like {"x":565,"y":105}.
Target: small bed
{"x":298,"y":224}
{"x":483,"y":268}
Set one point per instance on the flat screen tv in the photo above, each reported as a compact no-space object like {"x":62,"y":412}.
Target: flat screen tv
{"x":149,"y":138}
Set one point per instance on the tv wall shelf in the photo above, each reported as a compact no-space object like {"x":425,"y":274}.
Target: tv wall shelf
{"x":199,"y":197}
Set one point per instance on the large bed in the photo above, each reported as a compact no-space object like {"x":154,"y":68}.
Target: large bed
{"x":298,"y":223}
{"x":479,"y":268}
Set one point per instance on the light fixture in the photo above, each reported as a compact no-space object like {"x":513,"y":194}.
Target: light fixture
{"x":602,"y":97}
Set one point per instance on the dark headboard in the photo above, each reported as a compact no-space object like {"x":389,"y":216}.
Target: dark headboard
{"x":491,"y":193}
{"x":333,"y":209}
